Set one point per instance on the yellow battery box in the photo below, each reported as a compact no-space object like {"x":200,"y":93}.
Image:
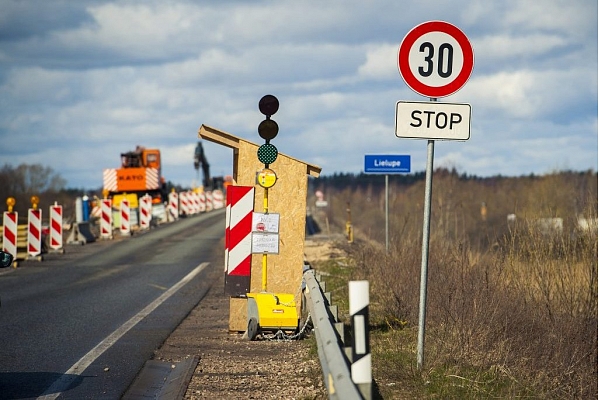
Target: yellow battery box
{"x":271,"y":311}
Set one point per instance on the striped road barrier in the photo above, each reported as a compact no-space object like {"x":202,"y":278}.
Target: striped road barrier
{"x":34,"y":234}
{"x":56,"y":228}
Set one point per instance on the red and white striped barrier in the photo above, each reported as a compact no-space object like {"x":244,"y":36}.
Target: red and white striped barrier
{"x":183,"y":203}
{"x":196,"y":198}
{"x":106,"y":227}
{"x":125,"y":218}
{"x":218,"y":201}
{"x":202,"y":200}
{"x":209,"y":200}
{"x":96,"y":210}
{"x":173,"y":205}
{"x":145,"y":211}
{"x":34,"y":232}
{"x":192,"y":203}
{"x":9,"y":232}
{"x":238,"y":239}
{"x":56,"y":227}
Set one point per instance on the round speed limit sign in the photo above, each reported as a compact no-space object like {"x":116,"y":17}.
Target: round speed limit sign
{"x":435,"y":59}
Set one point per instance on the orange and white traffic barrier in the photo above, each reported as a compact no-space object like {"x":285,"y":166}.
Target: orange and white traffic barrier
{"x":9,"y":232}
{"x":145,"y":211}
{"x":106,"y":223}
{"x":56,"y":227}
{"x":34,"y":233}
{"x":218,"y":199}
{"x":173,"y":205}
{"x":125,"y":218}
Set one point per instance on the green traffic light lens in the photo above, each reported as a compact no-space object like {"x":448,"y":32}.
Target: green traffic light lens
{"x":267,"y":153}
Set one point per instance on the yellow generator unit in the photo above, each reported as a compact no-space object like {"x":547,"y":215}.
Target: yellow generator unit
{"x":271,"y":312}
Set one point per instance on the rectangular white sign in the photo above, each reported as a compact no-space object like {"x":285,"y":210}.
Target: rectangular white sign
{"x":265,"y":243}
{"x":433,"y":120}
{"x":266,"y":223}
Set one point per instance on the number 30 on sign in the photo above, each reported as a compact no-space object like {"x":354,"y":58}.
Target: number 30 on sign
{"x":435,"y":59}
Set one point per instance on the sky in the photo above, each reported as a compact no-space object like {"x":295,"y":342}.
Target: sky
{"x":83,"y":81}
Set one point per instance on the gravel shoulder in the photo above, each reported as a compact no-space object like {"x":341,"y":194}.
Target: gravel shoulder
{"x":230,"y":366}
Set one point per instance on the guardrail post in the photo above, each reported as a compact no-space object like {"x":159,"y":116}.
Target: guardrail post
{"x":361,"y":349}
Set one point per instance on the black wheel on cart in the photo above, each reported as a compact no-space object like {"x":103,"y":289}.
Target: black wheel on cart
{"x":253,"y":329}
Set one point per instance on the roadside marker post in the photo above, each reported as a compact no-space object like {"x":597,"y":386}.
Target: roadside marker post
{"x":10,"y":232}
{"x":56,"y":228}
{"x":106,"y":222}
{"x":238,"y":240}
{"x":34,"y":230}
{"x":173,"y":206}
{"x":145,"y":211}
{"x":202,"y":198}
{"x":362,"y":376}
{"x":435,"y":59}
{"x":125,"y":218}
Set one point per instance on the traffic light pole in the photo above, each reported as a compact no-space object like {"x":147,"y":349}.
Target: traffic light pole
{"x":264,"y":257}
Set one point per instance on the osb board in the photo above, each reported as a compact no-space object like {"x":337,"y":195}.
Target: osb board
{"x":288,"y":198}
{"x":238,"y":321}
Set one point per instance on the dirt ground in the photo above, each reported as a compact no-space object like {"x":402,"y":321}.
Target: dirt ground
{"x":230,"y":366}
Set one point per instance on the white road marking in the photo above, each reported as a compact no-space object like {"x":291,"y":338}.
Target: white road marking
{"x":69,"y":376}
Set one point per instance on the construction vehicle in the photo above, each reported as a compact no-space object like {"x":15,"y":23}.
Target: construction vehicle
{"x":139,"y":175}
{"x":208,"y":183}
{"x":201,"y":162}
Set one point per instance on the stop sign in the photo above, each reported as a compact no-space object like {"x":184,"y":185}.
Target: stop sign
{"x":435,"y":59}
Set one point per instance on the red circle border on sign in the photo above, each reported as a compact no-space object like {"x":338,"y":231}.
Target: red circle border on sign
{"x":412,"y":81}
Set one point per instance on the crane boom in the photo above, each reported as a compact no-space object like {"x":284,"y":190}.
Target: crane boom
{"x":201,"y":162}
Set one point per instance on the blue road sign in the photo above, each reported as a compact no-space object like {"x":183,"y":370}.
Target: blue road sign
{"x":387,"y":164}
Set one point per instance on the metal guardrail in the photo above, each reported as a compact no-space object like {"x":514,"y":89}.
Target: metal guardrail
{"x":334,"y":364}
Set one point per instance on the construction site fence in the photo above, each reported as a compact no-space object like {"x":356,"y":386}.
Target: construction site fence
{"x":87,"y":231}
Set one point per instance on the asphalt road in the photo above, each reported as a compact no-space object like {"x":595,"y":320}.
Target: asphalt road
{"x":80,"y":325}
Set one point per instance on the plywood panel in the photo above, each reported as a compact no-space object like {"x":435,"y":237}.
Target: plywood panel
{"x":288,"y":198}
{"x":237,"y":314}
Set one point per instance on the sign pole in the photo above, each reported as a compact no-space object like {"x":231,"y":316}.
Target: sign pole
{"x":425,"y":252}
{"x":425,"y":255}
{"x":386,"y":164}
{"x":387,"y":225}
{"x":435,"y":59}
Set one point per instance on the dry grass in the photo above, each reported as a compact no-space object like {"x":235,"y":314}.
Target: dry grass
{"x":511,"y":314}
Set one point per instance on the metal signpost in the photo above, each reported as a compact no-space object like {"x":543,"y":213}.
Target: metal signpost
{"x":387,"y":164}
{"x":435,"y":59}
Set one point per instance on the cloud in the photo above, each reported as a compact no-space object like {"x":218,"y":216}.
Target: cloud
{"x":77,"y":88}
{"x":381,"y":62}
